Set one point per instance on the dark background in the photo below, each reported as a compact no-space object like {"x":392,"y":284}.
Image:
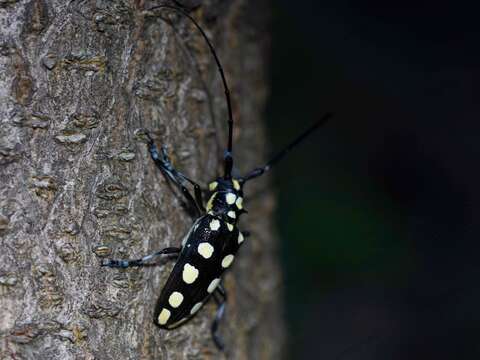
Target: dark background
{"x":378,"y":210}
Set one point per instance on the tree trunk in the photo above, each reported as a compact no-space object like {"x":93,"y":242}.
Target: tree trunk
{"x":77,"y":80}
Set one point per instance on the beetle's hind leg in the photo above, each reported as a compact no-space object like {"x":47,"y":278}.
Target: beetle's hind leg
{"x":138,"y":262}
{"x":164,"y":163}
{"x":220,"y":297}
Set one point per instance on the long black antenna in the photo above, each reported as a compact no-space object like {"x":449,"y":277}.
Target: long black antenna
{"x":261,"y":170}
{"x":228,"y":154}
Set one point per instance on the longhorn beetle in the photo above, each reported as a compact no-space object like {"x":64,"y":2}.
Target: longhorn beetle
{"x":211,"y":244}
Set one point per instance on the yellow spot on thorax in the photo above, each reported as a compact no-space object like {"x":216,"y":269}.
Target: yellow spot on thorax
{"x":236,"y":184}
{"x":230,"y":198}
{"x":210,"y":202}
{"x":213,"y":185}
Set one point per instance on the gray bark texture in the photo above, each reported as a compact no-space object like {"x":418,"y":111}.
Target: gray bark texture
{"x":78,"y":79}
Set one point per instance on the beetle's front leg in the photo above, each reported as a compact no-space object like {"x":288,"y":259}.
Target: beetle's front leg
{"x":123,"y":264}
{"x":163,"y":162}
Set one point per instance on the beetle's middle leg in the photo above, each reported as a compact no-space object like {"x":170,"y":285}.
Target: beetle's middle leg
{"x":144,"y":261}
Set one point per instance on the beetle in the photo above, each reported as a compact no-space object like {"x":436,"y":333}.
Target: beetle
{"x":211,"y":244}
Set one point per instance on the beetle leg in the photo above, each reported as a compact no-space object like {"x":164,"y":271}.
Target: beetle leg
{"x":162,"y":161}
{"x":220,"y":296}
{"x":138,"y":262}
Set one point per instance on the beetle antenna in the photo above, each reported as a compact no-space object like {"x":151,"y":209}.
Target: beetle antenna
{"x":261,"y":170}
{"x":228,"y":154}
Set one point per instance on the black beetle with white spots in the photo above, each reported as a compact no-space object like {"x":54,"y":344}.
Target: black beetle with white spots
{"x":213,"y":241}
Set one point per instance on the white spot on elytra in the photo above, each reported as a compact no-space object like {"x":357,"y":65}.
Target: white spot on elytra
{"x":232,"y":214}
{"x":213,"y":185}
{"x":175,"y":299}
{"x":164,"y":316}
{"x":239,"y":203}
{"x":240,"y":237}
{"x":227,"y":261}
{"x":195,"y":308}
{"x":230,"y":227}
{"x":190,"y":273}
{"x":205,"y":249}
{"x":213,"y":285}
{"x":214,"y":224}
{"x":230,"y":198}
{"x":236,"y":184}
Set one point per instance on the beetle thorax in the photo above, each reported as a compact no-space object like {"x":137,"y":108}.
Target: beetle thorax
{"x":226,"y":200}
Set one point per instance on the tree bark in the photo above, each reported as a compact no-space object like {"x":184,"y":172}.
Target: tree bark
{"x":78,"y":79}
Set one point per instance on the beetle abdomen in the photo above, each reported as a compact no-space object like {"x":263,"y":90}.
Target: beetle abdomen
{"x":209,"y":250}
